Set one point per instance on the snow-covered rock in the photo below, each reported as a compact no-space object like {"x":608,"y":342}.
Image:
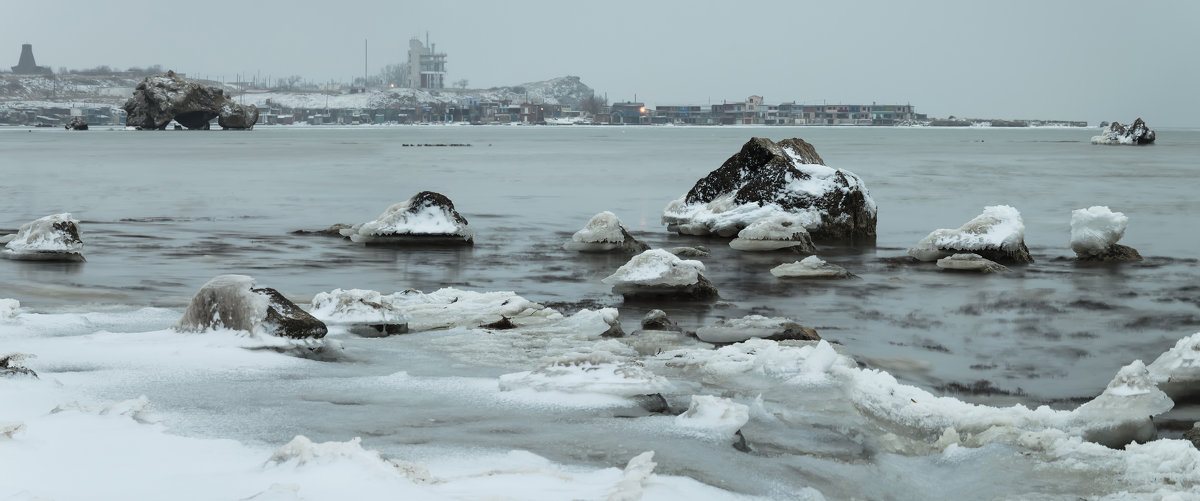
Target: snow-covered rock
{"x":810,"y":267}
{"x":783,"y":232}
{"x":234,"y":302}
{"x":997,"y":234}
{"x":1177,"y":371}
{"x":1136,"y":133}
{"x":76,"y":123}
{"x":426,"y":218}
{"x":161,"y":98}
{"x":756,"y":326}
{"x":10,"y":365}
{"x":1123,"y":413}
{"x":9,"y":308}
{"x":604,"y":233}
{"x":697,"y":251}
{"x":50,"y":238}
{"x":657,"y":320}
{"x":657,"y":272}
{"x":364,"y":312}
{"x":713,"y":417}
{"x":596,"y":372}
{"x":970,"y":262}
{"x":1095,"y":232}
{"x":770,"y":179}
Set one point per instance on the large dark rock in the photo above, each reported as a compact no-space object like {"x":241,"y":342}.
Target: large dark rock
{"x":233,"y":302}
{"x":788,"y":175}
{"x":76,"y":123}
{"x":164,"y":97}
{"x":1135,"y":134}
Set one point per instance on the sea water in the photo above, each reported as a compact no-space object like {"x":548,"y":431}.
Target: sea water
{"x":163,"y":212}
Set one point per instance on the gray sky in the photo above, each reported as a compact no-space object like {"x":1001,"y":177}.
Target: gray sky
{"x":1069,"y":60}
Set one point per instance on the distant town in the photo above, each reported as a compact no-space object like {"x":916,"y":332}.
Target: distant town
{"x":415,"y":92}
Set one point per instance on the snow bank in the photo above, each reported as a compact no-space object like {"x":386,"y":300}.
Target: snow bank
{"x":427,"y":216}
{"x":54,"y":237}
{"x":810,"y":267}
{"x":997,"y":234}
{"x":713,"y":418}
{"x":604,"y":233}
{"x":596,"y":372}
{"x":1095,"y":229}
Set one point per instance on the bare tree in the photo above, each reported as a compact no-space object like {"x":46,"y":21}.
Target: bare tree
{"x":593,"y":104}
{"x":395,"y":74}
{"x":462,"y":84}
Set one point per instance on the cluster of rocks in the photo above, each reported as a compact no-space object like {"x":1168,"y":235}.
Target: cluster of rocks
{"x":1137,"y":133}
{"x":161,"y":98}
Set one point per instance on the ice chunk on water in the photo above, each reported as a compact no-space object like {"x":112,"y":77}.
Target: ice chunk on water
{"x":1095,"y":229}
{"x":604,"y":227}
{"x":810,"y":267}
{"x":713,"y":417}
{"x":657,"y":267}
{"x":1177,"y":372}
{"x":9,"y":308}
{"x":1122,"y":413}
{"x":356,"y":306}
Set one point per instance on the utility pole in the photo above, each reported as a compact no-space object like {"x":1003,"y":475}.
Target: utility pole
{"x":364,"y":65}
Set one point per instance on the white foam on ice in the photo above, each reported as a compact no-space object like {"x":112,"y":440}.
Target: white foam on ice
{"x":1095,"y":229}
{"x":657,"y":267}
{"x":998,"y":227}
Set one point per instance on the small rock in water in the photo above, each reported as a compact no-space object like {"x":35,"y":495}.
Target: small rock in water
{"x":1094,"y":235}
{"x":604,"y":233}
{"x":428,"y":218}
{"x":658,"y":273}
{"x":657,"y":320}
{"x":1136,"y":134}
{"x":810,"y":267}
{"x":774,"y":233}
{"x":997,"y":234}
{"x":970,"y":262}
{"x":756,"y":326}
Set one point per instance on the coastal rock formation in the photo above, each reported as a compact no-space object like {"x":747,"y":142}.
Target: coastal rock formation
{"x":810,"y":267}
{"x":51,"y":238}
{"x":767,"y":179}
{"x":426,"y":218}
{"x":756,"y":326}
{"x":1137,"y":133}
{"x":658,"y":273}
{"x":783,"y":232}
{"x":1095,"y":232}
{"x":164,"y":97}
{"x":364,"y":312}
{"x":970,"y":262}
{"x":604,"y":233}
{"x":998,"y":234}
{"x":233,"y":302}
{"x":76,"y":123}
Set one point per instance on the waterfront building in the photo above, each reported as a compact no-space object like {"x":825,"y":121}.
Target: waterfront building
{"x":426,"y":66}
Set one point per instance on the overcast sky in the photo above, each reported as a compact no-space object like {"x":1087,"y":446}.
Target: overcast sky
{"x":1069,"y":60}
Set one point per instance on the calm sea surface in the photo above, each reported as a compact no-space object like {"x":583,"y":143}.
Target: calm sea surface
{"x":164,"y":212}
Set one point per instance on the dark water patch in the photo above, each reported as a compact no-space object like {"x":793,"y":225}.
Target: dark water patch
{"x":982,"y":367}
{"x":1164,"y":321}
{"x":915,"y":320}
{"x":978,"y":387}
{"x":1016,"y":304}
{"x":931,"y":345}
{"x":1088,"y":304}
{"x":1067,"y":352}
{"x":1083,"y":335}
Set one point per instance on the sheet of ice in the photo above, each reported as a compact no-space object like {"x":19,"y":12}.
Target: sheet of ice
{"x":736,"y":330}
{"x":998,"y":227}
{"x":57,"y":234}
{"x":657,"y":267}
{"x":356,"y":306}
{"x":713,"y":418}
{"x":595,"y":372}
{"x":450,"y":307}
{"x":1095,"y":229}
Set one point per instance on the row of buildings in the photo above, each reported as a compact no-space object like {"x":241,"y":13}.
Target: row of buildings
{"x":753,"y":111}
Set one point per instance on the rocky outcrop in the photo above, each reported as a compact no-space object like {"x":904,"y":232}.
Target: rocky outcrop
{"x":1094,"y":235}
{"x":1135,"y":134}
{"x":605,"y":233}
{"x":164,"y":97}
{"x":997,"y":234}
{"x":76,"y":123}
{"x":766,"y":179}
{"x":51,"y":238}
{"x":658,"y":273}
{"x":426,"y":218}
{"x":233,"y":302}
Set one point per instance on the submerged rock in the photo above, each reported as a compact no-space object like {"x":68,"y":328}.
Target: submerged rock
{"x":428,"y":218}
{"x":772,"y":233}
{"x":233,"y":302}
{"x":164,"y":97}
{"x":767,"y":179}
{"x":756,"y":326}
{"x":970,"y":262}
{"x":51,"y":238}
{"x":658,"y":273}
{"x":810,"y":267}
{"x":697,"y":251}
{"x":76,"y":123}
{"x":364,"y":312}
{"x":1094,"y":235}
{"x":998,"y":234}
{"x":1137,"y":133}
{"x":604,"y":233}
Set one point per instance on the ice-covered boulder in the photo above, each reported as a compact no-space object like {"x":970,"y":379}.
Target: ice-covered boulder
{"x":810,"y":267}
{"x":1123,"y":412}
{"x":657,"y":272}
{"x":1136,"y":133}
{"x":1177,"y":371}
{"x":233,"y":302}
{"x":51,"y":238}
{"x":998,"y":234}
{"x":1095,"y":232}
{"x":756,"y":326}
{"x":657,"y":320}
{"x":713,"y":417}
{"x":769,"y":179}
{"x":426,"y":218}
{"x":782,"y":232}
{"x":970,"y":262}
{"x":164,"y":97}
{"x":363,"y":312}
{"x":76,"y":123}
{"x":604,"y":233}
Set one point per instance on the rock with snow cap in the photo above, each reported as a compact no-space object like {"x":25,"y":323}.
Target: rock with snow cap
{"x":428,"y":218}
{"x":767,"y":178}
{"x":50,"y":238}
{"x":772,"y":233}
{"x":161,"y":98}
{"x":605,"y":233}
{"x":1094,"y":235}
{"x":970,"y":262}
{"x":810,"y":267}
{"x":998,"y":234}
{"x":364,"y":312}
{"x":658,"y":273}
{"x":234,"y":302}
{"x":1137,"y":133}
{"x":76,"y":123}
